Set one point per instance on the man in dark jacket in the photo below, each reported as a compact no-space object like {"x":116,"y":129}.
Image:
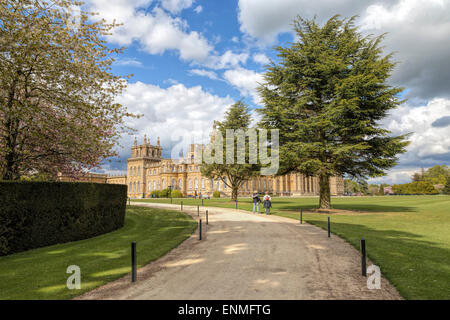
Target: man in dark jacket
{"x":256,"y":202}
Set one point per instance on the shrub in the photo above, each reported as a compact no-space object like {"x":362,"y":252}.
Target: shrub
{"x":163,"y":193}
{"x":177,"y":194}
{"x":216,"y":194}
{"x":416,"y":187}
{"x":38,"y":214}
{"x":154,"y":194}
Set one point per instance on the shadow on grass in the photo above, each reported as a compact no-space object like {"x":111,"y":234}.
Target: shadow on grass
{"x":417,"y":267}
{"x":286,"y":205}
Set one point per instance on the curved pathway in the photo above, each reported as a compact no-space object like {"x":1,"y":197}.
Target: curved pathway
{"x":250,"y":256}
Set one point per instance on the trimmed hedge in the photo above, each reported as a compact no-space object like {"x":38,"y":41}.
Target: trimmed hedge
{"x":38,"y":214}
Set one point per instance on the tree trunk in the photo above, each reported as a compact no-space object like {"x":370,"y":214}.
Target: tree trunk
{"x":234,"y":193}
{"x":325,"y":194}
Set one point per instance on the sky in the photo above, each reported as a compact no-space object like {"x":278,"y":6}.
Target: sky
{"x":192,"y":59}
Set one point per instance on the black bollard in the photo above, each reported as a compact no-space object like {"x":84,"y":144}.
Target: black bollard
{"x":206,"y":216}
{"x":236,"y":204}
{"x":363,"y":257}
{"x":181,"y":205}
{"x":129,"y":201}
{"x":198,"y":211}
{"x":328,"y":227}
{"x":133,"y":261}
{"x":200,"y":229}
{"x":301,"y":216}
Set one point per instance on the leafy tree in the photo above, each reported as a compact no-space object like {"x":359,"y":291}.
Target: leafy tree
{"x":233,"y":174}
{"x":417,"y":187}
{"x":57,"y":109}
{"x":327,"y":95}
{"x":437,"y":174}
{"x":446,"y":189}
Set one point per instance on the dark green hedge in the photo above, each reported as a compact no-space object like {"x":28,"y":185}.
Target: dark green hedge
{"x":38,"y":214}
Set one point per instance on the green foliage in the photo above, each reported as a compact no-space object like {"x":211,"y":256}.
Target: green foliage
{"x":446,"y":189}
{"x":216,"y":194}
{"x":436,"y":175}
{"x":177,"y":194}
{"x":416,"y":187}
{"x":38,"y":214}
{"x":232,"y":174}
{"x":327,"y":96}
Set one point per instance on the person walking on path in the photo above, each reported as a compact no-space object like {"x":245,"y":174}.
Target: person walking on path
{"x":256,"y":201}
{"x":267,"y":202}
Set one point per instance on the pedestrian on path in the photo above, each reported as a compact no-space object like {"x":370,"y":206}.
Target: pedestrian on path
{"x":267,"y":202}
{"x":256,"y":201}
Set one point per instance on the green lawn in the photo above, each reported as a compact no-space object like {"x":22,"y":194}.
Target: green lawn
{"x":407,"y":236}
{"x":41,"y":273}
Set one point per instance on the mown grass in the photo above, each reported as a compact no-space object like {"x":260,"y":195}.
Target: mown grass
{"x":407,"y":236}
{"x":41,"y":273}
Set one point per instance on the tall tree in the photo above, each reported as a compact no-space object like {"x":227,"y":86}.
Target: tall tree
{"x":57,"y":109}
{"x":232,"y":174}
{"x":327,"y":94}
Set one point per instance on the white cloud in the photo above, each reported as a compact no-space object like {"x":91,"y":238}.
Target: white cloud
{"x":131,"y":62}
{"x":175,"y":110}
{"x":246,"y":81}
{"x":205,"y":73}
{"x":235,"y":39}
{"x":427,"y":140}
{"x":261,"y":58}
{"x":156,"y":31}
{"x":176,"y":6}
{"x":198,"y":9}
{"x":227,"y":60}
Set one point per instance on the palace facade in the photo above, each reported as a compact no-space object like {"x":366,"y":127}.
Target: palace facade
{"x":148,"y":171}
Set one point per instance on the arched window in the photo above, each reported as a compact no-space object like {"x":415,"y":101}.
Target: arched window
{"x":203,"y":183}
{"x":190,"y":184}
{"x":149,"y":187}
{"x":139,"y":187}
{"x":211,"y":184}
{"x":224,"y":183}
{"x":134,"y":187}
{"x":154,"y":171}
{"x":196,"y":183}
{"x":218,"y":185}
{"x":180,"y":184}
{"x":139,"y":171}
{"x":130,"y":190}
{"x":154,"y":185}
{"x":173,"y":184}
{"x":163,"y":184}
{"x":134,"y":170}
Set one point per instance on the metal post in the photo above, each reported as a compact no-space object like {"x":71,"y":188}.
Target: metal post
{"x":198,"y":211}
{"x":181,"y":205}
{"x":133,"y":261}
{"x":301,"y":216}
{"x":206,"y":216}
{"x":200,"y":229}
{"x":129,"y":201}
{"x":363,"y":257}
{"x":328,"y":227}
{"x":236,"y":204}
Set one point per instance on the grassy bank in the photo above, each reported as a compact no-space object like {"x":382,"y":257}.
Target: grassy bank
{"x":407,"y":236}
{"x":41,"y":273}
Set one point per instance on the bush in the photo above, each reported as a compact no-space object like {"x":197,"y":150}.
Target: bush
{"x":177,"y":194}
{"x":216,"y":194}
{"x":154,"y":194}
{"x":416,"y":187}
{"x":163,"y":193}
{"x":38,"y":214}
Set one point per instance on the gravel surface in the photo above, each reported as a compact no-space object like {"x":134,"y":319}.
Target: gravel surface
{"x":250,"y":256}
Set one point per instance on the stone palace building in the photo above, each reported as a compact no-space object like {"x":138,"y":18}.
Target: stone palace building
{"x":148,"y":171}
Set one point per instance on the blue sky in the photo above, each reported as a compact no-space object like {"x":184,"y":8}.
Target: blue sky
{"x":191,"y":59}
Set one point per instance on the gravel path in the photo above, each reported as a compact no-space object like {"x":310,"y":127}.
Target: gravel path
{"x":250,"y":256}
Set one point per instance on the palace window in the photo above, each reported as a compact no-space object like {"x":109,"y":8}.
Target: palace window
{"x":149,"y":187}
{"x":180,"y":184}
{"x":203,"y":183}
{"x":224,"y":183}
{"x":163,"y":184}
{"x":154,"y":171}
{"x":196,"y":183}
{"x":138,"y":187}
{"x":190,"y":184}
{"x":130,"y":189}
{"x":154,"y":185}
